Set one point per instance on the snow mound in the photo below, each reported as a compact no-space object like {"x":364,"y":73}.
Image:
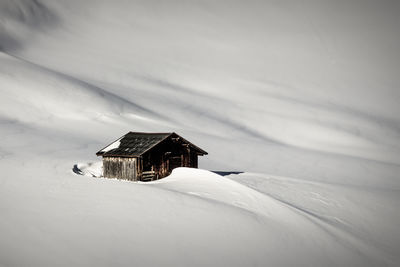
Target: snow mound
{"x":92,"y":169}
{"x":208,"y":185}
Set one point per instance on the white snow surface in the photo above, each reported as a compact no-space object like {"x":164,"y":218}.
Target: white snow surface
{"x":113,"y":145}
{"x":302,"y":97}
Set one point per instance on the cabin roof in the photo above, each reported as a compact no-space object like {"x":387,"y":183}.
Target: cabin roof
{"x":135,"y":144}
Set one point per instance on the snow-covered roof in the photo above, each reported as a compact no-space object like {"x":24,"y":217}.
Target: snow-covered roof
{"x":135,"y":144}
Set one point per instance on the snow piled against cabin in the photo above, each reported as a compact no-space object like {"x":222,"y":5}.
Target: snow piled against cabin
{"x":303,"y":98}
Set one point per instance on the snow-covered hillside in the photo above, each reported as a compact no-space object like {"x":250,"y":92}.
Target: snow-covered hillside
{"x":303,"y":98}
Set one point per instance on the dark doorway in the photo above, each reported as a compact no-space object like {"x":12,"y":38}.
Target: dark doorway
{"x":175,"y":162}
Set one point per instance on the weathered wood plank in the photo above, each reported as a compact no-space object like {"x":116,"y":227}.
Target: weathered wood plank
{"x":120,"y":168}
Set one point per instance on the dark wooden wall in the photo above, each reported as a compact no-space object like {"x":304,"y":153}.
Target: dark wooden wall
{"x":168,"y":155}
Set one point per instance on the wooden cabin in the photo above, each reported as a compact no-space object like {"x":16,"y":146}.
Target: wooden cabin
{"x":148,"y":156}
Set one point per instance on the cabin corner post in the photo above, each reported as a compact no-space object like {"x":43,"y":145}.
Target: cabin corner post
{"x":104,"y":167}
{"x":139,"y":170}
{"x":189,"y":164}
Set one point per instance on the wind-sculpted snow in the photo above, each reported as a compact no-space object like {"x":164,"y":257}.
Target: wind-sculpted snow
{"x":340,"y":209}
{"x":307,"y":92}
{"x":19,"y":19}
{"x":313,"y":94}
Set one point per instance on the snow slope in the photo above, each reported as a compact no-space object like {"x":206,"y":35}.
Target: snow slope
{"x":301,"y":97}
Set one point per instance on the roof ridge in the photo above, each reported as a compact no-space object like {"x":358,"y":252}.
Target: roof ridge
{"x":149,"y":133}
